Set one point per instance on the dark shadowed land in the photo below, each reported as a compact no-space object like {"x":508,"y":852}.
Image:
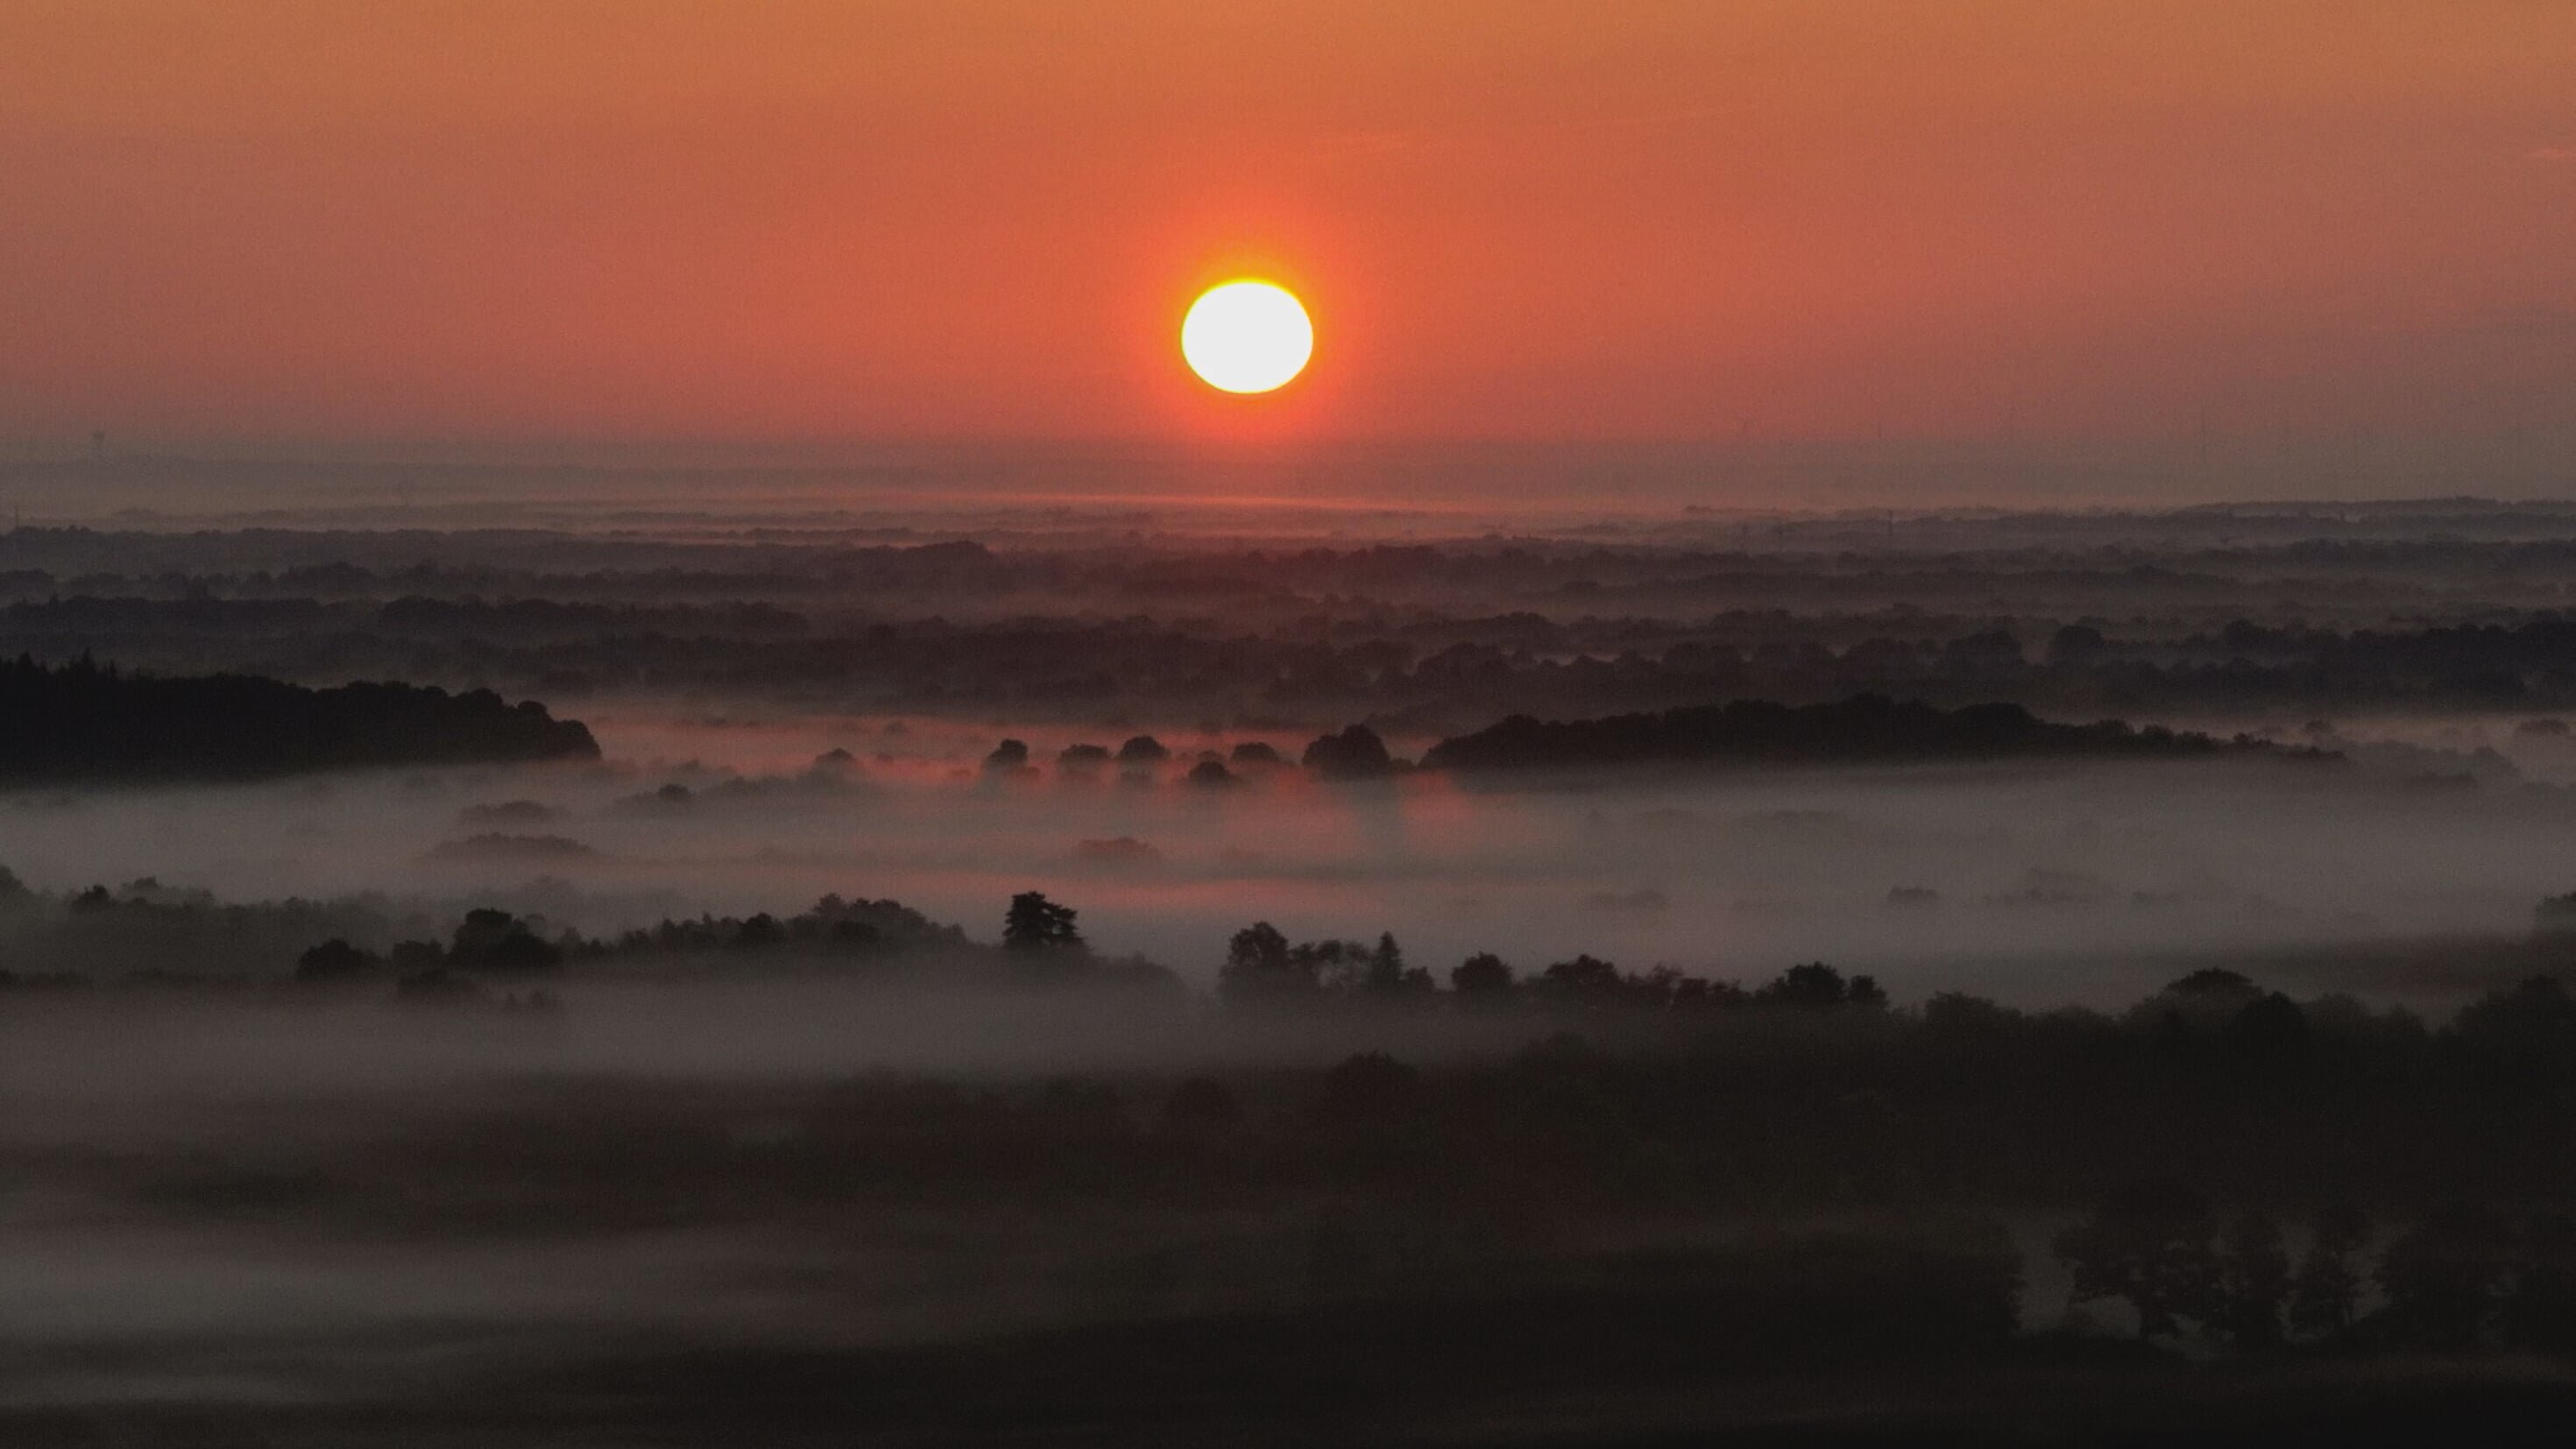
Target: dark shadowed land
{"x":1083,"y":979}
{"x":81,"y":723}
{"x":853,"y":1173}
{"x":1419,"y":624}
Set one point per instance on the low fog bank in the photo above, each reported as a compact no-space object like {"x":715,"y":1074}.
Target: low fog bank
{"x":2035,"y":883}
{"x":179,"y":1063}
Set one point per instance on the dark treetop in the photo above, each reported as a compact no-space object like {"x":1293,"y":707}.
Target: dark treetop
{"x":88,"y":722}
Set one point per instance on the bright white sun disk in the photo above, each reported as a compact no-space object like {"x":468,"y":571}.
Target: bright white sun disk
{"x":1247,"y":337}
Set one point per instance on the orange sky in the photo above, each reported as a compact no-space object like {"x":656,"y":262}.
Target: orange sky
{"x":793,"y":219}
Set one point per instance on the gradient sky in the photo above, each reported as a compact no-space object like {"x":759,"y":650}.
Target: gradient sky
{"x":793,"y":219}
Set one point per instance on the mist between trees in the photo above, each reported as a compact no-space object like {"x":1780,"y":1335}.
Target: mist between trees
{"x":2218,"y":1169}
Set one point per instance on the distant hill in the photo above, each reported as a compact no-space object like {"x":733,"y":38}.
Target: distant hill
{"x":1866,"y":729}
{"x":84,"y":722}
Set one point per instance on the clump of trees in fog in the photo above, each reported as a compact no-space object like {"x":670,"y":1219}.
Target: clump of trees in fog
{"x":1036,"y":932}
{"x":1263,"y":967}
{"x":1035,"y":925}
{"x":2464,"y":1276}
{"x":86,"y":722}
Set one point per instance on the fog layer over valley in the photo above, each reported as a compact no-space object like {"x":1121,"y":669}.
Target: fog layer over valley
{"x":933,"y":980}
{"x":2037,"y":882}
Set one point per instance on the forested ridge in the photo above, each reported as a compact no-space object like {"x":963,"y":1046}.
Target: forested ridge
{"x":88,"y":722}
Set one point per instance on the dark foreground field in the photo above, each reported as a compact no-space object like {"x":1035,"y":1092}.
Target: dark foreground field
{"x":1274,"y":1382}
{"x":330,"y":1219}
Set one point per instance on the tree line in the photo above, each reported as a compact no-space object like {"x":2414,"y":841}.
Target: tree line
{"x":84,"y":721}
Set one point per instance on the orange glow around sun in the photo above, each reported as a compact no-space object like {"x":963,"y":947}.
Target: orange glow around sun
{"x":931,"y":219}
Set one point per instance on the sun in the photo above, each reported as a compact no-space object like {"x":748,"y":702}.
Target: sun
{"x":1247,"y":337}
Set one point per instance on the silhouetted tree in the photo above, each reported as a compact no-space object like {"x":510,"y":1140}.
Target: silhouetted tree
{"x":2205,"y":999}
{"x":2076,"y":644}
{"x":1355,"y":754}
{"x":1481,"y":977}
{"x":1259,"y":965}
{"x":2542,"y":1312}
{"x":2555,"y":915}
{"x":1142,"y":750}
{"x":481,"y":930}
{"x":1586,"y":979}
{"x":1007,"y":757}
{"x":1696,"y":993}
{"x":2528,"y":1031}
{"x":2255,"y":1282}
{"x":1812,"y":985}
{"x":493,"y":940}
{"x":2215,"y":981}
{"x":333,"y":960}
{"x":2445,"y":1278}
{"x":2149,"y":1244}
{"x":2326,"y":1294}
{"x":83,"y":721}
{"x":2267,"y":1039}
{"x":1333,"y":965}
{"x":1034,"y":923}
{"x":522,"y":950}
{"x":1386,"y":965}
